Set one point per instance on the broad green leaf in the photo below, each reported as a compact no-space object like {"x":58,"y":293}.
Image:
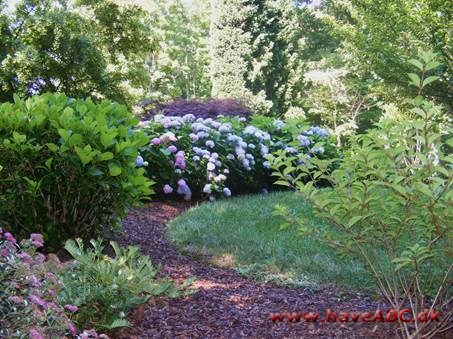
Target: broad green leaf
{"x":416,"y":63}
{"x":415,"y":79}
{"x":429,"y":80}
{"x":105,"y":156}
{"x":114,"y":169}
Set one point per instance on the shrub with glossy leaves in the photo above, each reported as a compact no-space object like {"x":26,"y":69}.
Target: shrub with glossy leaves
{"x":67,"y":166}
{"x":225,"y":156}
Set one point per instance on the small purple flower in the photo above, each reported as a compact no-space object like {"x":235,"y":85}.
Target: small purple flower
{"x":72,"y":329}
{"x":4,"y":252}
{"x":37,"y":240}
{"x":8,"y":236}
{"x":34,"y":334}
{"x":39,"y":258}
{"x":168,"y":189}
{"x":35,"y":282}
{"x":182,"y":182}
{"x":172,"y":149}
{"x":71,"y":308}
{"x":25,"y":257}
{"x":16,"y":299}
{"x":37,"y":300}
{"x":53,"y":306}
{"x":156,"y":141}
{"x":36,"y":237}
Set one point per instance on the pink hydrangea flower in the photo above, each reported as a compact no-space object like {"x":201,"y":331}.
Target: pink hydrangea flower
{"x":34,"y":334}
{"x":168,"y":189}
{"x":181,"y":182}
{"x":172,"y":148}
{"x":71,"y":308}
{"x":156,"y":141}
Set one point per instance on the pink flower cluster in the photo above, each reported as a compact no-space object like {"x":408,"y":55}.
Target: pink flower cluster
{"x":32,"y":291}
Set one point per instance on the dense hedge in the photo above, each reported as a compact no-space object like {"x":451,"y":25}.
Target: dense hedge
{"x":193,"y":156}
{"x":67,"y":166}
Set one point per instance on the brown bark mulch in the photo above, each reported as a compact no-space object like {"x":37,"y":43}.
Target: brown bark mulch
{"x":228,"y":305}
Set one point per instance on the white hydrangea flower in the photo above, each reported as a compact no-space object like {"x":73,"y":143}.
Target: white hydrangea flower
{"x":210,"y":166}
{"x":207,"y":189}
{"x":210,"y":144}
{"x":227,"y":192}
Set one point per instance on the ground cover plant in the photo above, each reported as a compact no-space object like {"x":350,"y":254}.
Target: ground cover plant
{"x":67,"y":166}
{"x":242,"y":233}
{"x":104,"y":288}
{"x":224,"y":156}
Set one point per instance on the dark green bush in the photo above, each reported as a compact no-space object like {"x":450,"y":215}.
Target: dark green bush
{"x":67,"y":166}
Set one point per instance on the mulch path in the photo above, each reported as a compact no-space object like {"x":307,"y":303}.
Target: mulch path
{"x":226,"y":304}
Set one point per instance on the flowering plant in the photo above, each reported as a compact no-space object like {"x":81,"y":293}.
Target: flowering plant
{"x":28,"y":293}
{"x":224,"y":156}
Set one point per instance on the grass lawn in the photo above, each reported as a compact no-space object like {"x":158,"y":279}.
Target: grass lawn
{"x":241,"y":233}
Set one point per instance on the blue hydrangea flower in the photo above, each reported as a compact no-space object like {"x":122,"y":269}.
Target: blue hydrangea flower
{"x":303,"y":140}
{"x":139,"y":161}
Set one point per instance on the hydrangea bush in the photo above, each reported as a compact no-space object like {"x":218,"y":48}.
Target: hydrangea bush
{"x":219,"y":157}
{"x":29,"y":305}
{"x":67,"y":166}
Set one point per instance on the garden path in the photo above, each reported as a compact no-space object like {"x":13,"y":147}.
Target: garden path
{"x":226,"y":304}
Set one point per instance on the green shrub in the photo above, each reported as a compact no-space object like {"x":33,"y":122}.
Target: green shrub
{"x":67,"y":166}
{"x":391,"y":206}
{"x":104,"y":289}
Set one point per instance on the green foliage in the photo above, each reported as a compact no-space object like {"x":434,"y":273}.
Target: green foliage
{"x":255,"y":49}
{"x":68,"y":166}
{"x":379,"y":36}
{"x":105,"y":289}
{"x":179,"y":67}
{"x":91,"y":48}
{"x":391,"y":206}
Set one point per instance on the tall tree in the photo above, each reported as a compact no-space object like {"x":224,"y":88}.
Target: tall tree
{"x":90,"y":48}
{"x":179,"y":67}
{"x":254,"y":45}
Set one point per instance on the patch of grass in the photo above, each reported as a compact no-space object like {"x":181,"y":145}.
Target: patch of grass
{"x":242,"y":233}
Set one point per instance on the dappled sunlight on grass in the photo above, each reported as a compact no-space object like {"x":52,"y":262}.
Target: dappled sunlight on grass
{"x":242,"y":233}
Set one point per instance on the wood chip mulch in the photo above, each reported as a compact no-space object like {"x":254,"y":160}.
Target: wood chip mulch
{"x":226,"y":304}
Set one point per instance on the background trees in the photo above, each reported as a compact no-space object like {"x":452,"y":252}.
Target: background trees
{"x":90,"y":48}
